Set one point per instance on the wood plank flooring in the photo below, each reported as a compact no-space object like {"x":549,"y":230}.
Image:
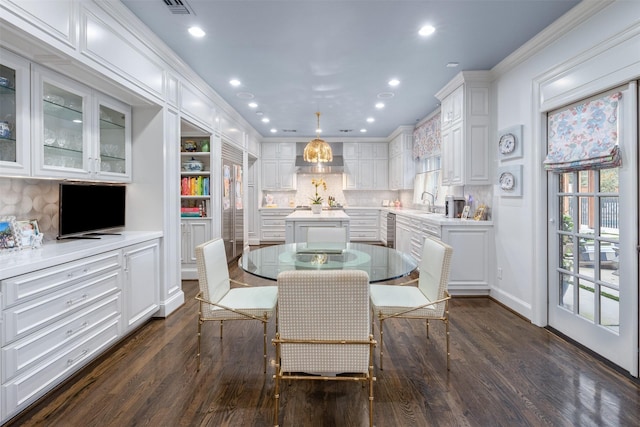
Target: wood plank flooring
{"x":504,"y":372}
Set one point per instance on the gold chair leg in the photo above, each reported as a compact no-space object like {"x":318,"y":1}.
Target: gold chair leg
{"x":199,"y":334}
{"x":264,"y":337}
{"x":221,"y":329}
{"x":446,"y":323}
{"x":381,"y":344}
{"x":427,"y":328}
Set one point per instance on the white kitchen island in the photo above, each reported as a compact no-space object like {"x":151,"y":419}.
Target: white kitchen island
{"x":296,"y":224}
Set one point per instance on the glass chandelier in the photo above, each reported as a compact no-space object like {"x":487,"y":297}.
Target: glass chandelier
{"x":317,"y":150}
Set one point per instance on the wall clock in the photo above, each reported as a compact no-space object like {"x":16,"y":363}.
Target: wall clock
{"x":510,"y":143}
{"x":509,"y":180}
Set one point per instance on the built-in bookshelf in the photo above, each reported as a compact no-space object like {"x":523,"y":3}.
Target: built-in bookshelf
{"x":195,"y":177}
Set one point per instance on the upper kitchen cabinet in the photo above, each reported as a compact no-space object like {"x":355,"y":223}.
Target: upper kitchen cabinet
{"x":465,"y":129}
{"x":278,"y":165}
{"x":15,"y":139}
{"x":401,"y":164}
{"x":366,"y":166}
{"x":78,"y":133}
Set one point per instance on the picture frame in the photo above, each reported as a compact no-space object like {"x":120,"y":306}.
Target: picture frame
{"x":28,"y":232}
{"x":465,"y":212}
{"x":509,"y":181}
{"x":480,"y":213}
{"x":509,"y":143}
{"x":9,"y":239}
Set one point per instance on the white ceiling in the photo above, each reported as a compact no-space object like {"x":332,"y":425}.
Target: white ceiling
{"x":297,"y":57}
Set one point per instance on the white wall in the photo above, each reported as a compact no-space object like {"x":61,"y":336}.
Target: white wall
{"x":519,"y":245}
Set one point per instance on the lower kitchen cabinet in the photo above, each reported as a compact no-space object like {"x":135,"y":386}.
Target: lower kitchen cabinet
{"x":62,"y":310}
{"x":364,"y":225}
{"x":272,"y":225}
{"x":193,"y":233}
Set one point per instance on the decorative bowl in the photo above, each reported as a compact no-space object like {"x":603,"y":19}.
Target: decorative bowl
{"x":190,"y":146}
{"x":192,"y":165}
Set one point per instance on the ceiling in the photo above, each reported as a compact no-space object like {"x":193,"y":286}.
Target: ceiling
{"x":296,"y":57}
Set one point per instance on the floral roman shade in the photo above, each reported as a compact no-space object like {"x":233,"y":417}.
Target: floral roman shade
{"x":584,"y":136}
{"x":426,"y":138}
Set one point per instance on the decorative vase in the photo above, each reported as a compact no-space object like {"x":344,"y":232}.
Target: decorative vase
{"x":316,"y":208}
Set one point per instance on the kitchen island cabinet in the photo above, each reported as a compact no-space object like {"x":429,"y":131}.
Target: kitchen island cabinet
{"x":296,"y":224}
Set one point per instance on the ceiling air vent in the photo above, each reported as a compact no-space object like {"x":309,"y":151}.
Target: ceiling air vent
{"x":289,"y":130}
{"x":178,"y":7}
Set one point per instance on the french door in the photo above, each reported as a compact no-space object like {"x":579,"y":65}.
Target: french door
{"x":593,"y":258}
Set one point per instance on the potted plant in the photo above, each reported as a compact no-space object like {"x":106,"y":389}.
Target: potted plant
{"x":316,"y":201}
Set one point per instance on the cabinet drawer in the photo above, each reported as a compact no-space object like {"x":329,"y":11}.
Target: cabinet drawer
{"x":31,"y":285}
{"x":432,"y":230}
{"x":26,"y":388}
{"x":27,"y":352}
{"x":363,"y":235}
{"x":273,"y":222}
{"x":30,"y":316}
{"x":272,"y":235}
{"x":365,"y":222}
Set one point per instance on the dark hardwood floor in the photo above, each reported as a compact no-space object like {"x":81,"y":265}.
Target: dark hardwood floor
{"x":504,"y":372}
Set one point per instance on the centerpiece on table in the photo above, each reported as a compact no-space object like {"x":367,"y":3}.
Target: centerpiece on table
{"x":316,"y":202}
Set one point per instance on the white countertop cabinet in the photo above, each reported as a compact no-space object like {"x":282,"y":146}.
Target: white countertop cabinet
{"x":195,"y":231}
{"x":66,"y":303}
{"x":401,"y":163}
{"x":364,"y":225}
{"x":272,"y":224}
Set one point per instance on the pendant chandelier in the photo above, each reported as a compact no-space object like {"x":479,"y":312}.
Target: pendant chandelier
{"x":318,"y":151}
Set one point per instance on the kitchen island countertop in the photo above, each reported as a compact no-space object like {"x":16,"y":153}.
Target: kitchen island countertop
{"x":304,"y":215}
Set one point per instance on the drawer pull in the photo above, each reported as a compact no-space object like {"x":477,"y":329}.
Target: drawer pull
{"x":82,"y":298}
{"x":80,"y":356}
{"x":71,"y":331}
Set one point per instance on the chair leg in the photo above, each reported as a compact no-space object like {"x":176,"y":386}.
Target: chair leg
{"x":264,"y":323}
{"x":199,"y":334}
{"x":446,"y":327}
{"x":371,"y":378}
{"x":221,"y":329}
{"x":276,"y":395}
{"x":427,"y":328}
{"x":381,"y":344}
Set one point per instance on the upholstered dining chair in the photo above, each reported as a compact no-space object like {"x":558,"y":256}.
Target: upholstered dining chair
{"x":429,"y":300}
{"x":324,"y":329}
{"x":218,"y":301}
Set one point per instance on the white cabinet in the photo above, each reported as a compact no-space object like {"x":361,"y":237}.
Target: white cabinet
{"x":401,"y":163}
{"x":364,"y":225}
{"x":15,"y":134}
{"x":366,"y":166}
{"x":466,"y":154}
{"x":77,"y":132}
{"x":403,"y":234}
{"x":272,"y":225}
{"x":194,"y":231}
{"x":296,"y":231}
{"x":383,"y":225}
{"x":278,"y":166}
{"x":58,"y":318}
{"x":141,"y":282}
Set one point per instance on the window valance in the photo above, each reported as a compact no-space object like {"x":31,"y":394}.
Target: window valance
{"x":584,"y":136}
{"x":426,"y":138}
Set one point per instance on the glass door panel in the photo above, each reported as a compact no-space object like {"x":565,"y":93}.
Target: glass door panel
{"x":8,"y":132}
{"x":113,"y":147}
{"x":63,"y":117}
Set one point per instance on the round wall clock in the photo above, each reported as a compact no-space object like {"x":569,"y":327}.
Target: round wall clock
{"x":507,"y":143}
{"x":507,"y":181}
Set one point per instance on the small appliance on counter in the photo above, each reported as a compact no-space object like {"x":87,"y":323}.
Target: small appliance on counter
{"x":453,"y":206}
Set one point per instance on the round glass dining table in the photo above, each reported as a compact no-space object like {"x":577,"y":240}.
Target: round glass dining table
{"x":380,"y":262}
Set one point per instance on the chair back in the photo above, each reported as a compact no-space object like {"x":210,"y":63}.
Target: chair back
{"x":434,"y":271}
{"x":324,"y":305}
{"x":326,"y":237}
{"x":213,"y":271}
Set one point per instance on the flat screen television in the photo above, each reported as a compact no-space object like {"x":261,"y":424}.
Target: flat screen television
{"x":88,"y":210}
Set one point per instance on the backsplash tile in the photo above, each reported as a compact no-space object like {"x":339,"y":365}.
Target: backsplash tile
{"x":31,"y":199}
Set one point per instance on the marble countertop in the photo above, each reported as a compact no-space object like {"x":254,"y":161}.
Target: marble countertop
{"x":324,"y":216}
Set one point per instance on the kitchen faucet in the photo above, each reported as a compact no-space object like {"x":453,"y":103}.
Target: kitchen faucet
{"x":433,"y":200}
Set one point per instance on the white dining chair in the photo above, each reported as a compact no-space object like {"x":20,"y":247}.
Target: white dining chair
{"x":218,"y":301}
{"x":427,"y":301}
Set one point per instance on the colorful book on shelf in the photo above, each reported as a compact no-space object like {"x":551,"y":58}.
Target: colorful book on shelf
{"x":190,"y":214}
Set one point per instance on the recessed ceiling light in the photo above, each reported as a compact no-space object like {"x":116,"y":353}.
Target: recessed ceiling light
{"x":427,"y":30}
{"x":274,"y":130}
{"x":394,"y":82}
{"x":259,"y":113}
{"x":235,"y":82}
{"x":363,"y":130}
{"x":370,"y":120}
{"x":380,"y":105}
{"x":253,"y":105}
{"x":385,"y":95}
{"x":196,"y":32}
{"x":265,"y":120}
{"x":452,"y":64}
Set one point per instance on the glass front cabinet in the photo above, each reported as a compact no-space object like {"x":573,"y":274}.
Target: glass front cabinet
{"x":78,"y":132}
{"x":15,"y":140}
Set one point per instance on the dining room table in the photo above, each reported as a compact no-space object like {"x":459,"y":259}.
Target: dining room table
{"x":380,"y":262}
